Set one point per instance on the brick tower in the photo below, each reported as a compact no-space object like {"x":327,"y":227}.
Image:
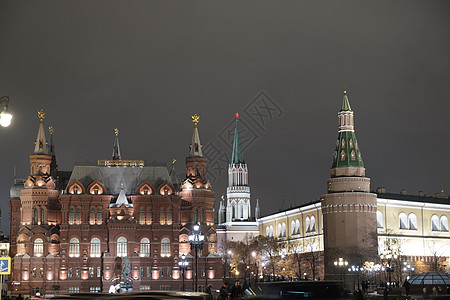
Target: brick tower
{"x":349,"y":209}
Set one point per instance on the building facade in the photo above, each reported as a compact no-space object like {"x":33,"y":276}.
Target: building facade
{"x":114,"y":224}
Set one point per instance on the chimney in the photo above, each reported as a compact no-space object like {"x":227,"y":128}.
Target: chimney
{"x":403,"y":192}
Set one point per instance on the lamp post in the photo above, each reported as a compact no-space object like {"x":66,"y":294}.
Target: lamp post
{"x":407,"y":269}
{"x":196,"y":239}
{"x":256,"y":266}
{"x":357,"y":270}
{"x":183,"y":264}
{"x":386,"y":259}
{"x":5,"y":115}
{"x":341,"y":264}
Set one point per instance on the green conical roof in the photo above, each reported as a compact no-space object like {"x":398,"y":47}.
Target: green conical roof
{"x":345,"y":103}
{"x":347,"y":152}
{"x":238,"y":154}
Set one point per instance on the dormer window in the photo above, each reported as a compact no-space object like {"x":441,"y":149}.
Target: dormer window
{"x":350,"y":142}
{"x":353,"y":155}
{"x":342,"y":155}
{"x":343,"y":143}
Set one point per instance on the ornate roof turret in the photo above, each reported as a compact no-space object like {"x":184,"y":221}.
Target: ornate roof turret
{"x":122,"y":199}
{"x":347,"y":153}
{"x":237,"y":156}
{"x":52,"y":150}
{"x":40,"y":146}
{"x":116,"y":149}
{"x":257,"y":212}
{"x":196,"y":146}
{"x":52,"y":145}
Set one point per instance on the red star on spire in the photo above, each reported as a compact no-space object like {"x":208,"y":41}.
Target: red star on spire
{"x":237,"y":115}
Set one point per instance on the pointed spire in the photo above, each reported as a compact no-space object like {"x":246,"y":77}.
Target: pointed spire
{"x":122,"y":198}
{"x":257,"y":212}
{"x":237,"y":156}
{"x":347,"y":152}
{"x":116,"y":149}
{"x":51,"y":144}
{"x":345,"y":104}
{"x":40,"y":146}
{"x":196,"y":146}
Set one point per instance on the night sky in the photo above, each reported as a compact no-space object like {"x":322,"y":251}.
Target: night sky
{"x":146,"y":66}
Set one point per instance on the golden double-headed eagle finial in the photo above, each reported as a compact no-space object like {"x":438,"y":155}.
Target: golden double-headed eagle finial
{"x":41,"y":115}
{"x":116,"y":131}
{"x":195,"y":119}
{"x":51,"y":129}
{"x":173,"y":161}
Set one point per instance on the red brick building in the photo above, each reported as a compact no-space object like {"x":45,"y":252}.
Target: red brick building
{"x":76,"y":231}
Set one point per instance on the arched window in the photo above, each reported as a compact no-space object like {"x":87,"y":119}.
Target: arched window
{"x":169,"y":216}
{"x":165,"y":247}
{"x":293,"y":227}
{"x":74,"y":247}
{"x":38,"y":247}
{"x":308,"y":223}
{"x":122,"y":246}
{"x":313,"y":224}
{"x":267,"y":231}
{"x":412,"y":222}
{"x":444,"y":224}
{"x":161,"y":216}
{"x":36,"y":216}
{"x":297,"y":226}
{"x":42,"y":216}
{"x":284,"y":229}
{"x":434,"y":223}
{"x":71,"y":216}
{"x":379,"y":219}
{"x":403,"y":221}
{"x":145,"y":247}
{"x":280,"y":230}
{"x":95,"y":247}
{"x":271,"y":230}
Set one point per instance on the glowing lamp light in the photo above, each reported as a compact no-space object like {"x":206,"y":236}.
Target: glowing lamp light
{"x":196,"y":227}
{"x":5,"y":115}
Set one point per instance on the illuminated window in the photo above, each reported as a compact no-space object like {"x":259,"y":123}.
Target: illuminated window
{"x":169,"y":216}
{"x":78,"y":216}
{"x":92,"y":216}
{"x":352,"y":155}
{"x":379,"y":219}
{"x":122,"y":246}
{"x":342,"y":155}
{"x":434,"y":223}
{"x":161,"y":216}
{"x":293,"y":227}
{"x":284,"y":229}
{"x":403,"y":221}
{"x":280,"y":230}
{"x":38,"y":247}
{"x":142,"y":216}
{"x":308,"y":224}
{"x":343,"y":143}
{"x":350,"y":142}
{"x":99,"y":215}
{"x":74,"y":247}
{"x":297,"y":226}
{"x":412,"y":222}
{"x":42,"y":216}
{"x":36,"y":216}
{"x":145,"y":247}
{"x":165,"y":247}
{"x":71,"y":215}
{"x":444,"y":224}
{"x":313,"y":224}
{"x":95,"y":247}
{"x":267,"y":231}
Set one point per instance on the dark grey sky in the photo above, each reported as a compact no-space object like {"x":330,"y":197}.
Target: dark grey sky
{"x":146,"y":66}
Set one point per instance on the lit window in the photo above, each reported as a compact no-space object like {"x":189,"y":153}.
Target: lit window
{"x":280,"y":230}
{"x":350,"y":142}
{"x":352,"y":154}
{"x":412,"y":222}
{"x":342,"y":155}
{"x":169,"y":216}
{"x":284,"y":229}
{"x":434,"y":223}
{"x":36,"y":216}
{"x":145,"y":247}
{"x":95,"y":247}
{"x":38,"y":247}
{"x":141,"y":216}
{"x":308,"y":223}
{"x":267,"y":231}
{"x":149,"y":216}
{"x":92,"y":216}
{"x":444,"y":224}
{"x":71,"y":215}
{"x":297,"y":226}
{"x":343,"y":143}
{"x":313,"y":224}
{"x":379,"y":219}
{"x":74,"y":247}
{"x":78,"y":216}
{"x":99,"y":215}
{"x":403,"y":219}
{"x":122,"y":246}
{"x":161,"y":216}
{"x":293,"y":227}
{"x":165,"y":247}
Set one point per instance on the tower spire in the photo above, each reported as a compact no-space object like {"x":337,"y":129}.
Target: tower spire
{"x":196,"y":146}
{"x":347,"y":152}
{"x":237,"y":157}
{"x":116,"y":149}
{"x":52,"y":152}
{"x":40,"y":146}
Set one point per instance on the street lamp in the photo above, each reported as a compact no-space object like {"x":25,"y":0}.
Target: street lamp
{"x":357,"y":270}
{"x":341,"y":264}
{"x":196,"y":239}
{"x":5,"y":115}
{"x":386,"y":260}
{"x":407,"y":269}
{"x":256,"y":266}
{"x":183,"y":264}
